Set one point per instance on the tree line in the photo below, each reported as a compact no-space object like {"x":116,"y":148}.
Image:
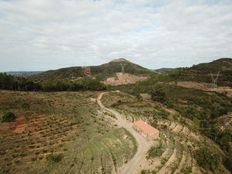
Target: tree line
{"x":9,"y":82}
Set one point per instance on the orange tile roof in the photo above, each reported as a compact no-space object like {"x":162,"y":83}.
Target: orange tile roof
{"x":145,"y":128}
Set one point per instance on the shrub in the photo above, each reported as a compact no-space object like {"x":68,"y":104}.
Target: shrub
{"x":55,"y":157}
{"x":155,"y":151}
{"x":158,"y":95}
{"x":163,"y":113}
{"x":25,"y":106}
{"x":187,"y":170}
{"x":8,"y":117}
{"x":224,"y":140}
{"x":143,"y":172}
{"x":228,"y":162}
{"x":90,"y":84}
{"x":207,"y":158}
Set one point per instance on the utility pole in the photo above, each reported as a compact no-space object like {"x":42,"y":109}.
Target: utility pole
{"x":214,"y":78}
{"x":122,"y":68}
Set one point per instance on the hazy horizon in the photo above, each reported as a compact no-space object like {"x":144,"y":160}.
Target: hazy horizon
{"x":52,"y":34}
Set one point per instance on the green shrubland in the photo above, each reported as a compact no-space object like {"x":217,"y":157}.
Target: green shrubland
{"x":207,"y":158}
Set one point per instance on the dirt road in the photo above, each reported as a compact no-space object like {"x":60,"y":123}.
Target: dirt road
{"x":143,"y":145}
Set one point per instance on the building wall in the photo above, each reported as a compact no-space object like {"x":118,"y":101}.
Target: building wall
{"x":150,"y":137}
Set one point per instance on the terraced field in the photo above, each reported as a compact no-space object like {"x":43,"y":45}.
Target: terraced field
{"x":105,"y":154}
{"x":174,"y":153}
{"x":60,"y":133}
{"x":69,"y":133}
{"x":44,"y":135}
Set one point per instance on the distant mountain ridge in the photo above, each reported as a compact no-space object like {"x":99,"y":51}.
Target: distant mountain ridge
{"x":23,"y":73}
{"x":164,"y":70}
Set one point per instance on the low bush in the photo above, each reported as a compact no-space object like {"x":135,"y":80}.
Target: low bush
{"x":228,"y":161}
{"x":8,"y":117}
{"x":55,"y":157}
{"x":155,"y":151}
{"x":158,"y":95}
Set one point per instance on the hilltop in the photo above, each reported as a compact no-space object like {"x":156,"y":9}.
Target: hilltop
{"x":101,"y":72}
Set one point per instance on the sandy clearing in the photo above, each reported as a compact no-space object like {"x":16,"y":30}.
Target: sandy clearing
{"x":123,"y":78}
{"x":206,"y":87}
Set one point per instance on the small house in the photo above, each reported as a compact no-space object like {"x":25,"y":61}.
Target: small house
{"x":146,"y":130}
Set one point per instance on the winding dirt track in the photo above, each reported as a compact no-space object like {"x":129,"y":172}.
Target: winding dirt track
{"x":143,"y":145}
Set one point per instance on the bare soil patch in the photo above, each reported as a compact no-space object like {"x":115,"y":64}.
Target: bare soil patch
{"x":123,"y":78}
{"x":20,"y":125}
{"x":206,"y":87}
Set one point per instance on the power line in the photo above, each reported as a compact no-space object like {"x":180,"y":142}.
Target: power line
{"x":214,"y":78}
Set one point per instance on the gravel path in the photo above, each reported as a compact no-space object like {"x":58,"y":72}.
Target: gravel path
{"x":143,"y":145}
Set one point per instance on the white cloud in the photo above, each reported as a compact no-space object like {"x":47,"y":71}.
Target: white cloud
{"x":47,"y":34}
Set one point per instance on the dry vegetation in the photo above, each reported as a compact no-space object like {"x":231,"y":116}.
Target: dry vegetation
{"x":63,"y":128}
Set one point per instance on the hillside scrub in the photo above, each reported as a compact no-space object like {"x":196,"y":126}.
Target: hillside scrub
{"x":158,"y":95}
{"x":82,"y":85}
{"x":202,"y":72}
{"x":201,"y":107}
{"x":207,"y":159}
{"x":228,"y":161}
{"x":224,"y":139}
{"x":190,"y":103}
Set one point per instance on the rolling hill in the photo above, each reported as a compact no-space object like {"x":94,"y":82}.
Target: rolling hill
{"x":202,"y":72}
{"x":100,"y":72}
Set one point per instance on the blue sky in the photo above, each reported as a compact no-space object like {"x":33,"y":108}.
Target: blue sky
{"x":50,"y":34}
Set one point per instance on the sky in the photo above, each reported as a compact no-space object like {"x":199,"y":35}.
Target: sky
{"x":50,"y":34}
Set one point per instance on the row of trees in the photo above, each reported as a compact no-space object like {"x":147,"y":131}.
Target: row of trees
{"x":8,"y":82}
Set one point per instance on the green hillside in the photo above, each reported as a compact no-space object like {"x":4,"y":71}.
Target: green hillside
{"x":100,"y":72}
{"x":202,"y":72}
